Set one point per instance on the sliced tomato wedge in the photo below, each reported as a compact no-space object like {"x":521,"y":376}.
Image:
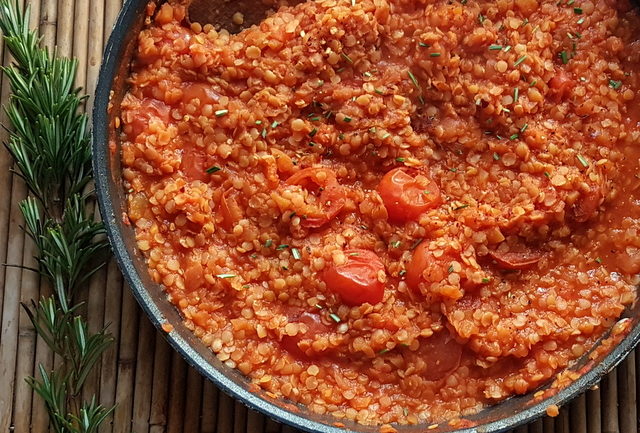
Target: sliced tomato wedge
{"x":193,"y":165}
{"x":442,"y":354}
{"x":408,"y":194}
{"x":516,"y":260}
{"x":561,"y":85}
{"x":332,"y":195}
{"x":357,"y":280}
{"x":314,"y":326}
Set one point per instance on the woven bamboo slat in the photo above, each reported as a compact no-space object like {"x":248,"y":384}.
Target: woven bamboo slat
{"x":155,"y":391}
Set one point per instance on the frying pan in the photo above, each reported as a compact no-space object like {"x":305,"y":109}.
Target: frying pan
{"x":111,"y":197}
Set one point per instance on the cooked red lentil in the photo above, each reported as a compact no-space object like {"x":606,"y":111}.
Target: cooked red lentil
{"x":391,"y":210}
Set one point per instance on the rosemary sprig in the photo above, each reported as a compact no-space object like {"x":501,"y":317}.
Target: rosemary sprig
{"x":49,"y":143}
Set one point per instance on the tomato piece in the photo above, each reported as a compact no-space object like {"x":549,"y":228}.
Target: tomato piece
{"x":201,"y":91}
{"x":586,"y":207}
{"x":332,"y":195}
{"x":516,"y":260}
{"x":442,"y":354}
{"x":561,"y":85}
{"x":230,"y":210}
{"x":194,"y":277}
{"x":193,"y":165}
{"x":148,"y":110}
{"x":425,"y":267}
{"x":406,"y":196}
{"x":314,"y":327}
{"x":357,"y":280}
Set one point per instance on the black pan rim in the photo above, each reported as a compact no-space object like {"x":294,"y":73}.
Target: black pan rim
{"x":111,"y":62}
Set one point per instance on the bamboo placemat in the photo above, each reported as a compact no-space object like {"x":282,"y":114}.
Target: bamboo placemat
{"x":154,"y":389}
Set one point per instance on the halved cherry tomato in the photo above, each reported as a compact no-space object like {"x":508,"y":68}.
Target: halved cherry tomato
{"x":521,"y":259}
{"x":194,"y":277}
{"x":332,"y":195}
{"x":357,"y":281}
{"x":201,"y":91}
{"x":314,"y":327}
{"x":442,"y":355}
{"x":407,"y":196}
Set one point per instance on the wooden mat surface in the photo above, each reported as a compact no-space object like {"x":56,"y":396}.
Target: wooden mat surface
{"x":154,"y":389}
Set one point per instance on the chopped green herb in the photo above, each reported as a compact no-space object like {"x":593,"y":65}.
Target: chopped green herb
{"x":507,"y":48}
{"x":220,"y":113}
{"x":318,"y":306}
{"x":496,"y":156}
{"x":335,"y":317}
{"x":525,"y":22}
{"x":347,"y":119}
{"x":314,"y":119}
{"x":450,"y":269}
{"x":463,"y":206}
{"x":296,"y":253}
{"x":506,"y":110}
{"x":395,"y":244}
{"x":385,"y":136}
{"x":481,"y":18}
{"x":213,"y":169}
{"x":581,"y":20}
{"x":258,"y":122}
{"x":413,"y":80}
{"x":402,"y":273}
{"x":434,"y":55}
{"x":615,"y":84}
{"x":524,"y":127}
{"x":485,"y":280}
{"x":598,"y":260}
{"x":564,"y":57}
{"x":514,"y":137}
{"x":453,"y":170}
{"x":583,"y":161}
{"x":520,"y":60}
{"x":547,"y":174}
{"x":313,"y":132}
{"x":341,"y":136}
{"x":368,"y":74}
{"x":399,"y":159}
{"x":372,"y":130}
{"x":312,"y":143}
{"x":347,"y":58}
{"x":268,"y":243}
{"x":421,"y":99}
{"x":495,"y":47}
{"x":282,"y":247}
{"x":577,"y":11}
{"x":353,"y":254}
{"x":516,"y":95}
{"x":264,"y":133}
{"x":274,"y":124}
{"x":226,"y":275}
{"x":423,"y":45}
{"x":383,"y":351}
{"x":405,"y":411}
{"x":379,"y":92}
{"x":533,"y":83}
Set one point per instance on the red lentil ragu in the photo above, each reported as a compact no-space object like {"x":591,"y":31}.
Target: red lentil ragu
{"x":391,"y":211}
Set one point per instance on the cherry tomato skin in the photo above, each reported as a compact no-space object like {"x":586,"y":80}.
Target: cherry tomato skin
{"x":314,"y":327}
{"x":442,"y":355}
{"x":561,"y":85}
{"x":405,"y":196}
{"x":356,"y":281}
{"x":516,"y":260}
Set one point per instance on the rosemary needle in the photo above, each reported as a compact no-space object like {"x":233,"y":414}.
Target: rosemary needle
{"x":49,"y":143}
